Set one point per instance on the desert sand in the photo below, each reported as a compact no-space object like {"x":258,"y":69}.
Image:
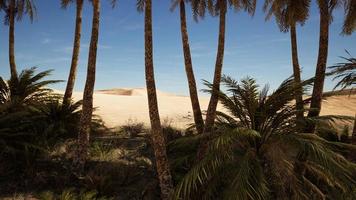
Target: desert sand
{"x":118,"y":106}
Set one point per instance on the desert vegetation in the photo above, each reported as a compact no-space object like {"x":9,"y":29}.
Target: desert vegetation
{"x":261,"y":144}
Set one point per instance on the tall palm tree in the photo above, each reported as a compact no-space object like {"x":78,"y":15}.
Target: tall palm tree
{"x":219,"y":7}
{"x":197,"y":114}
{"x":326,"y":8}
{"x":15,"y":9}
{"x":76,"y":48}
{"x":87,"y":108}
{"x":288,"y":13}
{"x":158,"y":141}
{"x":350,"y":18}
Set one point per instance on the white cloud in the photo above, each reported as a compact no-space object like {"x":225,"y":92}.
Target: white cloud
{"x":46,"y":41}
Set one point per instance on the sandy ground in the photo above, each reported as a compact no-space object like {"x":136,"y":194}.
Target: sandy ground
{"x":118,"y":106}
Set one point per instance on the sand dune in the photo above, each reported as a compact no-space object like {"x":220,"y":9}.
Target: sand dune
{"x":117,"y":106}
{"x":131,"y":92}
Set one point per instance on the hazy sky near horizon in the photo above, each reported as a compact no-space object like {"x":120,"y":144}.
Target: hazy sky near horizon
{"x":253,"y":47}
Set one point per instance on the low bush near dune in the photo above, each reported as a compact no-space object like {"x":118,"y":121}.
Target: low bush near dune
{"x":133,"y":128}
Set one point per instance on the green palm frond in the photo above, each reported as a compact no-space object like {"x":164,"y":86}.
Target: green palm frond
{"x":345,"y":71}
{"x":28,"y":88}
{"x":257,"y":152}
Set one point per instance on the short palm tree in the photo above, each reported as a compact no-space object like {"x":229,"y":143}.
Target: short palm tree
{"x":197,"y":114}
{"x":289,"y":13}
{"x":20,"y":98}
{"x":219,"y":7}
{"x":27,"y":89}
{"x":256,"y":150}
{"x":15,"y":9}
{"x":76,"y":48}
{"x":158,"y":140}
{"x":346,"y":72}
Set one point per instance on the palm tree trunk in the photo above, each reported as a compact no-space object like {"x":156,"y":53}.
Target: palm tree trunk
{"x":12,"y":9}
{"x":158,"y":141}
{"x":76,"y":48}
{"x":211,"y":113}
{"x":353,"y":137}
{"x":210,"y":116}
{"x":198,"y":118}
{"x":296,"y":74}
{"x":87,"y":111}
{"x":315,"y":105}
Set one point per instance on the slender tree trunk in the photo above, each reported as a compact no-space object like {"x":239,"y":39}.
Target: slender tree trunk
{"x":353,"y":137}
{"x":317,"y":95}
{"x":296,"y":74}
{"x":211,"y":113}
{"x":76,"y":48}
{"x":198,"y":118}
{"x":210,"y":116}
{"x":87,"y":111}
{"x":158,"y":141}
{"x":12,"y":11}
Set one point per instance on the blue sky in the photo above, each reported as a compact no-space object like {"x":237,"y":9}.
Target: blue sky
{"x":253,"y":47}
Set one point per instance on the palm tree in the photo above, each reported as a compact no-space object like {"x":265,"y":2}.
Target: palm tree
{"x":326,"y":9}
{"x":288,"y":14}
{"x":350,"y":18}
{"x":15,"y":9}
{"x":254,"y":151}
{"x":198,"y":118}
{"x":219,"y":7}
{"x":87,"y":108}
{"x":158,"y":141}
{"x":76,"y":49}
{"x":28,"y":89}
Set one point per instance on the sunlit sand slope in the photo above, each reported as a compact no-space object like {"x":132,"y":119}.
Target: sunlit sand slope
{"x":117,"y":106}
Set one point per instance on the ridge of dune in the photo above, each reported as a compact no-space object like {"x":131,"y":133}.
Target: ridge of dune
{"x":131,"y":92}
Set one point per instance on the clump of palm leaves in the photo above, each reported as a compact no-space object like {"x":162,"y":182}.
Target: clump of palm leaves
{"x":102,"y":150}
{"x":19,"y":98}
{"x":257,"y":152}
{"x":27,"y":90}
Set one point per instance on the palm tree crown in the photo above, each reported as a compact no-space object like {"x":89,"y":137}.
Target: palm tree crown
{"x":215,"y":7}
{"x":287,"y":12}
{"x":27,"y":89}
{"x":350,"y":17}
{"x":22,"y":7}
